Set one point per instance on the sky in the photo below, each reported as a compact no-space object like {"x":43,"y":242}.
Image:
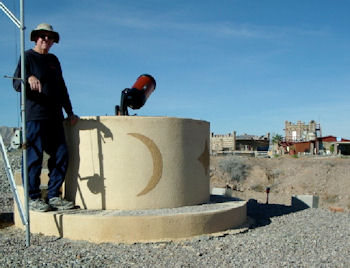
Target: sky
{"x":242,"y":65}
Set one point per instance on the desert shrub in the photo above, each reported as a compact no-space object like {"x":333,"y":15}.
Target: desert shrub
{"x":330,"y":164}
{"x":330,"y":198}
{"x":235,"y":167}
{"x":272,"y":174}
{"x":258,"y":188}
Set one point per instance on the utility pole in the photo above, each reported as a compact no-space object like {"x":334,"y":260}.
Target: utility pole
{"x":21,"y":26}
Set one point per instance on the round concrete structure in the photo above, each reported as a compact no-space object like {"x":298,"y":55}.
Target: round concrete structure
{"x":132,"y":162}
{"x":137,"y":179}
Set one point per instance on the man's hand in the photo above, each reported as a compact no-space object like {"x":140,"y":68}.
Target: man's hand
{"x":34,"y":83}
{"x":72,"y":119}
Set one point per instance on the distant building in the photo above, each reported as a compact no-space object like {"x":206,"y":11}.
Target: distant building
{"x":223,"y":143}
{"x":301,"y":138}
{"x":343,"y":147}
{"x":301,"y":131}
{"x":247,"y":142}
{"x":321,"y":145}
{"x":330,"y":144}
{"x":230,"y":143}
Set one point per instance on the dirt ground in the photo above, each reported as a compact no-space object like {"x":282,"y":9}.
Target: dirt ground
{"x":326,"y":177}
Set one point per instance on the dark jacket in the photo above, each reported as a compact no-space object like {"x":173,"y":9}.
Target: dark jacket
{"x":54,"y":96}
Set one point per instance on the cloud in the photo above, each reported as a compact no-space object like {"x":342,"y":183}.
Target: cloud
{"x":111,"y":16}
{"x":218,"y":29}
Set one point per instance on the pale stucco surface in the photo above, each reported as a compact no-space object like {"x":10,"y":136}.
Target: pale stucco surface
{"x":130,"y":162}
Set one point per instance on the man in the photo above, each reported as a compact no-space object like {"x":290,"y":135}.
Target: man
{"x":46,"y":95}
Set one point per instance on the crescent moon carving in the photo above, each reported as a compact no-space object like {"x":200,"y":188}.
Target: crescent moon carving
{"x":157,"y":162}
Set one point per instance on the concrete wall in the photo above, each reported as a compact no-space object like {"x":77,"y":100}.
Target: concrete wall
{"x":132,"y":162}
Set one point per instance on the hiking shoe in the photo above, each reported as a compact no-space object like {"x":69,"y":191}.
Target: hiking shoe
{"x":59,"y":203}
{"x":38,"y":205}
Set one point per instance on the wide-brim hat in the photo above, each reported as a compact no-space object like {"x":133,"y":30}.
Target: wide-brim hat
{"x":44,"y":27}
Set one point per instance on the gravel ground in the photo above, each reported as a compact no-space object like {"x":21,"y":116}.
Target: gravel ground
{"x":279,"y":236}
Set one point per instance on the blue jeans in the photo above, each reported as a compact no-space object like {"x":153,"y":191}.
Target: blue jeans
{"x":46,"y":136}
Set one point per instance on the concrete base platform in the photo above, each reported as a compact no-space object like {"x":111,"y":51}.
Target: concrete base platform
{"x":129,"y":226}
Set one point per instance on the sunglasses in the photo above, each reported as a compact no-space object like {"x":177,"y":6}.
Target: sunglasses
{"x":45,"y":35}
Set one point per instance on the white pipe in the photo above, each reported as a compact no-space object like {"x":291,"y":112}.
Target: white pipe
{"x":10,"y":15}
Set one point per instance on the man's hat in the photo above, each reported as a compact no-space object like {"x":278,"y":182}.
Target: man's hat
{"x":44,"y":27}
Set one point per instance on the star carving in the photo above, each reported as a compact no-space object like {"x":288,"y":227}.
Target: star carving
{"x":204,"y":158}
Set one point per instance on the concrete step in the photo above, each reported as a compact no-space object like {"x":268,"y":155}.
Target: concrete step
{"x":130,"y":226}
{"x":44,"y":177}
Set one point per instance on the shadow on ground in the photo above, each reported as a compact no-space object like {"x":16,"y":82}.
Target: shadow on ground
{"x":262,"y":213}
{"x":6,"y":219}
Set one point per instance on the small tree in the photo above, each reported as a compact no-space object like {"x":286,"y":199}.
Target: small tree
{"x":277,"y":139}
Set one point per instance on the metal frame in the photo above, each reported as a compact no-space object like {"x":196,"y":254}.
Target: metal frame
{"x":11,"y":179}
{"x":21,"y":26}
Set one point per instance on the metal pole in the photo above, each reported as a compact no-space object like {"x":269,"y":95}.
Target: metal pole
{"x":23,"y":116}
{"x":12,"y":181}
{"x":20,"y":25}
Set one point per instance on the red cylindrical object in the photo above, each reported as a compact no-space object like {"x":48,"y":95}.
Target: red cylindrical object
{"x":146,"y":83}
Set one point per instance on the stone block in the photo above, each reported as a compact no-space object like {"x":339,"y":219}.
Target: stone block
{"x":221,"y":191}
{"x":305,"y":201}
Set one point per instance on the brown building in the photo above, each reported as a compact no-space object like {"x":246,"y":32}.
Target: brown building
{"x":247,"y":142}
